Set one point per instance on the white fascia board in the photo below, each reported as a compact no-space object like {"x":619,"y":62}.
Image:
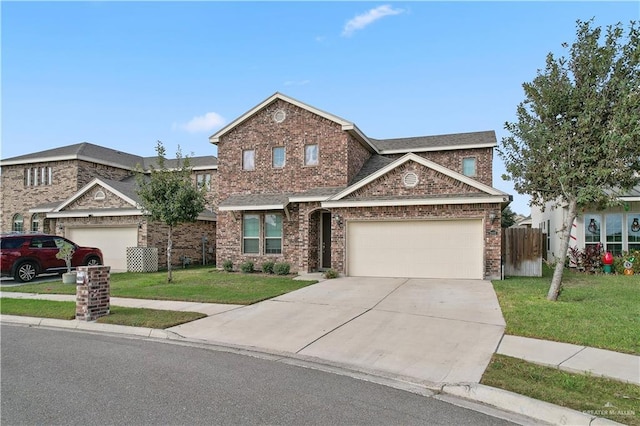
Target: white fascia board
{"x":416,"y":202}
{"x":215,"y":138}
{"x":630,"y":198}
{"x":94,"y":213}
{"x":256,"y":207}
{"x":87,"y":187}
{"x":308,"y":199}
{"x":195,"y":169}
{"x":38,"y":160}
{"x":41,"y":210}
{"x":352,"y":128}
{"x":438,"y":148}
{"x":427,"y":163}
{"x":207,"y":218}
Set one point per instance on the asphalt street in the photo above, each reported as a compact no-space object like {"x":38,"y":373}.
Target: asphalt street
{"x":60,"y":377}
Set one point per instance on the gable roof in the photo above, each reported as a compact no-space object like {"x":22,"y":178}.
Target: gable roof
{"x":485,"y":139}
{"x":101,"y":155}
{"x":347,"y":126}
{"x":488,"y":193}
{"x":123,"y":189}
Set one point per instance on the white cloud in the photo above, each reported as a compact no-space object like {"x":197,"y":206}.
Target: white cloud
{"x":369,"y":17}
{"x":202,"y":123}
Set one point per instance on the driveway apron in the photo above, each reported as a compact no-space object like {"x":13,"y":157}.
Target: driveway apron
{"x":430,"y":331}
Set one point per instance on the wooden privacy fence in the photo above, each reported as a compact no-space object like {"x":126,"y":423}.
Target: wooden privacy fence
{"x":522,"y":250}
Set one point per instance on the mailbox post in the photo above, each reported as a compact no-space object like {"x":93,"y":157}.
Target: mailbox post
{"x":92,"y":292}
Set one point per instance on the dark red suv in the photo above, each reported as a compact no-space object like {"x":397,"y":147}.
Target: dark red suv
{"x":24,"y":256}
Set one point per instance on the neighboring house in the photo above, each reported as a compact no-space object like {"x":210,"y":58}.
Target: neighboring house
{"x":616,"y":228}
{"x":303,"y":186}
{"x":88,"y":193}
{"x":522,"y":222}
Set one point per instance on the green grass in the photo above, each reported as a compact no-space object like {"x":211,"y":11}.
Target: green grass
{"x":198,"y":284}
{"x":135,"y":317}
{"x":601,"y":311}
{"x":602,"y":397}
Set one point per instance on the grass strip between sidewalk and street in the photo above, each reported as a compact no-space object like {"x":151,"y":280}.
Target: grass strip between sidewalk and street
{"x":134,"y":317}
{"x":597,"y":310}
{"x":596,"y":396}
{"x":195,"y":284}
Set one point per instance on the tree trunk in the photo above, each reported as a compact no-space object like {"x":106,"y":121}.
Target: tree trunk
{"x":556,"y":281}
{"x":169,"y":247}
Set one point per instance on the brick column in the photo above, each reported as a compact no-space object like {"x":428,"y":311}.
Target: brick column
{"x":92,"y":292}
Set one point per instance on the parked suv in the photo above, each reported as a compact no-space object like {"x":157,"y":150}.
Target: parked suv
{"x":24,"y":256}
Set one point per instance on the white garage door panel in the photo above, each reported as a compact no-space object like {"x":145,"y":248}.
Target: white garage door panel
{"x":112,"y":241}
{"x":425,"y":249}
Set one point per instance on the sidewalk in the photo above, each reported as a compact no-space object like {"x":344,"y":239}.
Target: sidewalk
{"x":573,"y":358}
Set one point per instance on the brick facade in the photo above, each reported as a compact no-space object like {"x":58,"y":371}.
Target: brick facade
{"x":341,"y":157}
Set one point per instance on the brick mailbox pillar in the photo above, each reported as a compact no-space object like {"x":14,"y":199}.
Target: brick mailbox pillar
{"x":92,"y":292}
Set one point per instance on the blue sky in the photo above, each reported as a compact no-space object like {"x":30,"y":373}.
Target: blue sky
{"x":125,"y":74}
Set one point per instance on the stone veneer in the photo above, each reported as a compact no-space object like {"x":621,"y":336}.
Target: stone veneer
{"x":92,"y":292}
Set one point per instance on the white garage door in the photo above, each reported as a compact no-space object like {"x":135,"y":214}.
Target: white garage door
{"x":424,"y":249}
{"x":112,"y":241}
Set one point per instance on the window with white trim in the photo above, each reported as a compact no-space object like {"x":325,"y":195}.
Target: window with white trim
{"x":273,"y":233}
{"x":203,"y":180}
{"x":251,"y":234}
{"x":311,"y":155}
{"x":278,"y":157}
{"x":469,"y":166}
{"x":18,"y":223}
{"x":248,"y":159}
{"x":38,"y":176}
{"x":592,"y":224}
{"x":35,"y":222}
{"x":613,"y":224}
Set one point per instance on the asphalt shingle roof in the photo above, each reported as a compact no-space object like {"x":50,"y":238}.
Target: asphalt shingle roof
{"x":437,"y":141}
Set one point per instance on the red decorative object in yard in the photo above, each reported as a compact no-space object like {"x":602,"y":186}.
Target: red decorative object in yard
{"x":607,"y":259}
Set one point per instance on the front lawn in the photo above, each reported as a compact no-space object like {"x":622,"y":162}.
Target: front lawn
{"x":601,"y":311}
{"x":595,"y":395}
{"x":196,"y":284}
{"x":135,"y":317}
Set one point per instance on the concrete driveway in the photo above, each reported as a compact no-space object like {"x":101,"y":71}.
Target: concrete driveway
{"x":428,"y":330}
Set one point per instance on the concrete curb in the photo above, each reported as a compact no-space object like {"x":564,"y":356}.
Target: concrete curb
{"x":523,"y":407}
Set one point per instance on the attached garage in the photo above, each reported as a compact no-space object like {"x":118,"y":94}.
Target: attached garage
{"x":113,"y":241}
{"x":416,"y":248}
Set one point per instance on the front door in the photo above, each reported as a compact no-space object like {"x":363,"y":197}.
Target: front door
{"x":325,"y":241}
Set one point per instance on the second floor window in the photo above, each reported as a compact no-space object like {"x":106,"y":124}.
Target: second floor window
{"x":248,"y":159}
{"x":204,"y":181}
{"x":469,"y":166}
{"x":38,"y":176}
{"x":311,"y":155}
{"x":278,"y":157}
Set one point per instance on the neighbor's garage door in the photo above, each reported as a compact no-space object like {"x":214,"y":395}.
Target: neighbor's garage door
{"x":423,"y":249}
{"x":112,"y":241}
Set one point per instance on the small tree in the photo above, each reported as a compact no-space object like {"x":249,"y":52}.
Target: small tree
{"x":170,"y":195}
{"x":508,"y":218}
{"x":577,"y":138}
{"x":65,"y":253}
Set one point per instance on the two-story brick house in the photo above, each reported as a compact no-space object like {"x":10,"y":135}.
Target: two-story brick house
{"x":88,"y":193}
{"x":303,"y":186}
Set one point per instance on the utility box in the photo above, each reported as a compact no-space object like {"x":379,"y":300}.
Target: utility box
{"x":92,"y":292}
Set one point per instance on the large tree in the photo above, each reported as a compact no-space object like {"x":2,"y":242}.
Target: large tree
{"x":576,"y":141}
{"x":169,"y":195}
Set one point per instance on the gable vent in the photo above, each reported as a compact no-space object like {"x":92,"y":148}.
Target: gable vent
{"x":410,"y":180}
{"x":279,"y":116}
{"x":100,"y":195}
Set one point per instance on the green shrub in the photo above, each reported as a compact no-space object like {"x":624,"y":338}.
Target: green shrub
{"x":227,"y":265}
{"x":330,"y":274}
{"x":267,"y":267}
{"x":247,"y":267}
{"x":281,"y":268}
